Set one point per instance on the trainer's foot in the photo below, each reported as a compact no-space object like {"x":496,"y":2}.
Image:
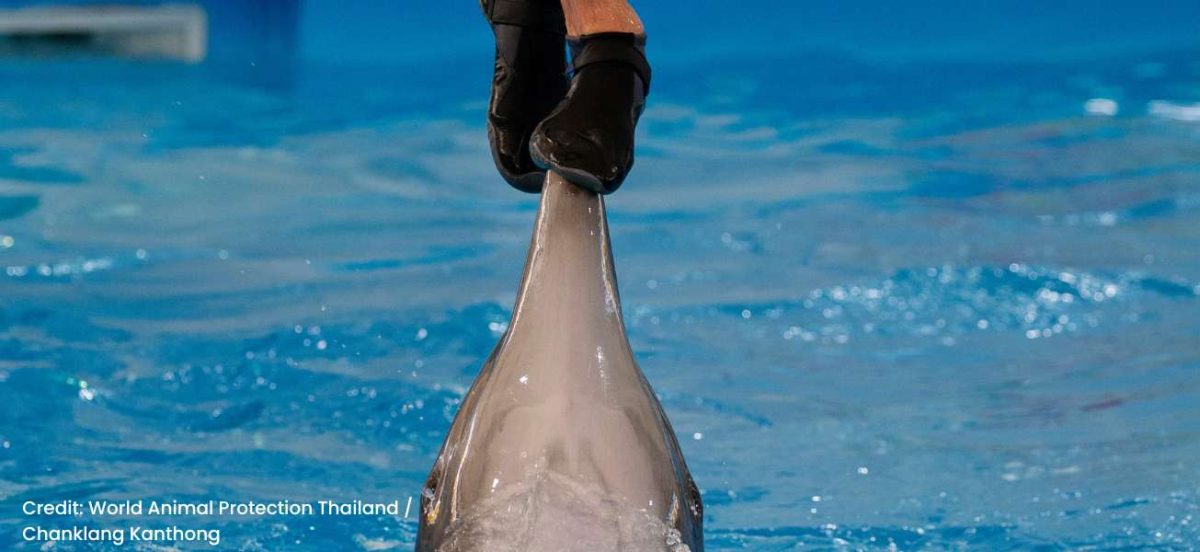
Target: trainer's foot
{"x":529,"y":80}
{"x":588,"y":139}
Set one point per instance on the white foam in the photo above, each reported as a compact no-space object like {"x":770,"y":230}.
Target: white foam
{"x":1101,"y":106}
{"x":549,"y":511}
{"x":1188,"y":113}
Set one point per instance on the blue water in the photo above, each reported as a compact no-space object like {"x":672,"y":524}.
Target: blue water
{"x":887,"y":301}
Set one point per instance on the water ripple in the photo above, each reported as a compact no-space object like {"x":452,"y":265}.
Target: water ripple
{"x":948,"y":301}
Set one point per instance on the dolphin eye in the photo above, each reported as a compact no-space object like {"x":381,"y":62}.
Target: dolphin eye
{"x":429,"y":506}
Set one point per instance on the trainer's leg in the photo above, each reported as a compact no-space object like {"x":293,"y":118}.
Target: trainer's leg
{"x":588,"y":138}
{"x":529,"y":81}
{"x":589,"y":17}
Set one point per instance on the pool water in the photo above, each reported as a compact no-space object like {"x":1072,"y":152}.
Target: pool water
{"x":911,"y":304}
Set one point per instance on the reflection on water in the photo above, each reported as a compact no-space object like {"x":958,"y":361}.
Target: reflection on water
{"x":921,"y":305}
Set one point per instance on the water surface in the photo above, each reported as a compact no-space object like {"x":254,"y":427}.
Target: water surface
{"x":911,"y":304}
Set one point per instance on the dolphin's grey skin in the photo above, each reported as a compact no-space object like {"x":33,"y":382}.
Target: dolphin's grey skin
{"x":561,"y":444}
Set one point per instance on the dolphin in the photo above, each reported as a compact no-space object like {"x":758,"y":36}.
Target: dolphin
{"x":560,"y":444}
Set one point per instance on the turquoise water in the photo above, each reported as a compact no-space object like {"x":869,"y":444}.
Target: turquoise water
{"x":912,"y":303}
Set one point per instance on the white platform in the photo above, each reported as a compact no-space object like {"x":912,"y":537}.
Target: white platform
{"x":170,"y":31}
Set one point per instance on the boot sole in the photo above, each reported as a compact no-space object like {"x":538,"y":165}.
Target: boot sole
{"x":529,"y":182}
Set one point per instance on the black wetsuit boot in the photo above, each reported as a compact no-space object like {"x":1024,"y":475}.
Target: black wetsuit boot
{"x":529,"y":81}
{"x":589,"y":136}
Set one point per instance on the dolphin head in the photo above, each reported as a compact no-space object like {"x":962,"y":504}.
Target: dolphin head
{"x":560,"y":444}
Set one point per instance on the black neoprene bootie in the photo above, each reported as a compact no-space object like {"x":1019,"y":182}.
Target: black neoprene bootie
{"x":529,"y":81}
{"x":588,"y":138}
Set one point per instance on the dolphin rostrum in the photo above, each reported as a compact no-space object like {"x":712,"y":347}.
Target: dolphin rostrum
{"x":560,"y":444}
